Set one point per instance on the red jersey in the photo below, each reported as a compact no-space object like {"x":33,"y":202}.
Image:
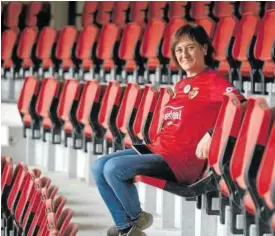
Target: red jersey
{"x":186,"y":118}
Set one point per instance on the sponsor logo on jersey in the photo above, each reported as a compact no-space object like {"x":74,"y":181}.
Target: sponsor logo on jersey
{"x":172,"y":113}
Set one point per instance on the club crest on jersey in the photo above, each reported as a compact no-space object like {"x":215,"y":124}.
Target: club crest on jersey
{"x":230,"y":89}
{"x":193,"y":93}
{"x":187,"y":88}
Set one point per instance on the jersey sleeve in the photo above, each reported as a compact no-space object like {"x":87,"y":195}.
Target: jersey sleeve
{"x":220,"y":86}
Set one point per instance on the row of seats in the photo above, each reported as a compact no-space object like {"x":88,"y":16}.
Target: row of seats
{"x":99,"y":52}
{"x":113,"y":117}
{"x":29,"y":203}
{"x":17,"y":15}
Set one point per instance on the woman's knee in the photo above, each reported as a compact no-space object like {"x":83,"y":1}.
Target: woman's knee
{"x":97,"y":168}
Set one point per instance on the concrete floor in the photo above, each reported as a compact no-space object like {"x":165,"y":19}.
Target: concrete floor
{"x":91,"y":214}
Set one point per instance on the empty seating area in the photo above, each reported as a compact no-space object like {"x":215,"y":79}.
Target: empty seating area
{"x":30,"y":204}
{"x":85,"y":93}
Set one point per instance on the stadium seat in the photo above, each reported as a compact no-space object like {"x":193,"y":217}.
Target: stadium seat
{"x":249,"y":146}
{"x":138,"y":12}
{"x":71,"y":230}
{"x":103,"y":16}
{"x":63,"y":52}
{"x":261,"y":190}
{"x":88,"y":15}
{"x":222,"y":40}
{"x":12,"y":12}
{"x":45,"y":43}
{"x":33,"y":10}
{"x":85,"y":44}
{"x":119,"y":13}
{"x":199,"y":11}
{"x":156,"y":10}
{"x":6,"y":174}
{"x":177,"y":9}
{"x":244,"y":40}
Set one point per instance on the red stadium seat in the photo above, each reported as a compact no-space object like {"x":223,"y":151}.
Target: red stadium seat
{"x":89,"y":10}
{"x":67,"y":105}
{"x":103,"y":16}
{"x":105,"y":47}
{"x":27,"y":100}
{"x":33,"y":10}
{"x":45,"y":43}
{"x":71,"y":230}
{"x":199,"y":11}
{"x":49,"y":91}
{"x":137,"y":12}
{"x":25,"y":46}
{"x":128,"y":107}
{"x":264,"y":48}
{"x":150,"y":47}
{"x":177,"y":9}
{"x":65,"y":43}
{"x":156,"y":10}
{"x":6,"y":174}
{"x":119,"y":13}
{"x":7,"y":45}
{"x":11,"y":19}
{"x":222,"y":38}
{"x":248,"y":151}
{"x":108,"y":110}
{"x":244,"y":33}
{"x":32,"y":210}
{"x":128,"y":44}
{"x":84,"y":47}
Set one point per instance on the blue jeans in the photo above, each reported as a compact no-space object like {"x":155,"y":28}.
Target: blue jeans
{"x":114,"y":175}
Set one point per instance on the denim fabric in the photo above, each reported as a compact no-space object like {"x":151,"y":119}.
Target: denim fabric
{"x":114,"y":175}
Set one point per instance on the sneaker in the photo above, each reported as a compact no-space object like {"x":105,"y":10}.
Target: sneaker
{"x":134,"y":231}
{"x":143,"y":222}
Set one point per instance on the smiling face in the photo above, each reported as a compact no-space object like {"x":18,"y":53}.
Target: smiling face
{"x":190,"y":56}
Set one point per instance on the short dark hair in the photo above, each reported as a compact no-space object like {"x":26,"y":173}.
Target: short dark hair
{"x":198,"y":34}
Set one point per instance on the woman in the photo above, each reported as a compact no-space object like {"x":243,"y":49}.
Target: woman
{"x":187,"y":118}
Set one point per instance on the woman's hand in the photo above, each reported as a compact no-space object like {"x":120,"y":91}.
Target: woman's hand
{"x":203,"y":146}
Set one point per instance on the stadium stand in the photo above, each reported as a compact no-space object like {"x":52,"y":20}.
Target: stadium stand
{"x":103,"y":88}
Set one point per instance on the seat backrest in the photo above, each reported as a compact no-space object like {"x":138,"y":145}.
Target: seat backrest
{"x":254,"y":131}
{"x":89,"y":10}
{"x":6,"y":174}
{"x":32,"y":11}
{"x":151,"y":42}
{"x":25,"y":46}
{"x":49,"y":90}
{"x":111,"y":97}
{"x":106,"y":43}
{"x":244,"y":32}
{"x":65,"y":43}
{"x":45,"y":43}
{"x":227,"y":126}
{"x":267,"y":170}
{"x":8,"y":41}
{"x":85,"y":42}
{"x":137,"y":12}
{"x":199,"y":11}
{"x":29,"y":90}
{"x":265,"y":36}
{"x":249,"y":7}
{"x":128,"y":44}
{"x":13,"y":10}
{"x":71,"y":230}
{"x":119,"y":13}
{"x":177,"y":9}
{"x":19,"y":174}
{"x":69,"y":93}
{"x":64,"y":219}
{"x":221,"y":39}
{"x":147,"y":104}
{"x":129,"y":101}
{"x":165,"y":94}
{"x":105,"y":8}
{"x":156,"y":10}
